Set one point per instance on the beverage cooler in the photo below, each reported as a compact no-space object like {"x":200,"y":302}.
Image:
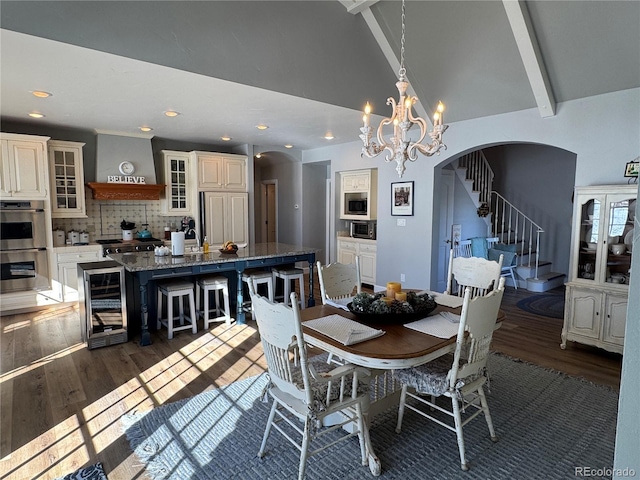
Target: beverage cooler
{"x":103,"y":308}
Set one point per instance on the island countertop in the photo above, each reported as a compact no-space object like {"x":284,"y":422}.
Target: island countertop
{"x":145,"y":261}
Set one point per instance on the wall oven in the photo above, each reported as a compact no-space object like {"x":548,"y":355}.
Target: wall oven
{"x":23,"y":247}
{"x":363,"y":229}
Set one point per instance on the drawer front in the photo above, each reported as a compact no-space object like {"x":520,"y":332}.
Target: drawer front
{"x":269,"y":262}
{"x":366,"y":248}
{"x":164,"y":273}
{"x":347,"y":245}
{"x":78,"y":257}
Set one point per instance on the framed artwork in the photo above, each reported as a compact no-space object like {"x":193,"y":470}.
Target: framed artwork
{"x":402,"y":198}
{"x":632,"y":169}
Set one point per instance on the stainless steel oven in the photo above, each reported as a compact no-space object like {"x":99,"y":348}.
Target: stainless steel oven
{"x":23,"y":252}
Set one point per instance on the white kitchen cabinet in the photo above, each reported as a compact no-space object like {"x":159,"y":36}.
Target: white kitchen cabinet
{"x":227,"y":217}
{"x":359,"y":194}
{"x":180,"y":195}
{"x":349,"y":247}
{"x":65,"y":269}
{"x":23,"y":166}
{"x":218,"y":171}
{"x":599,"y":270}
{"x":66,"y":174}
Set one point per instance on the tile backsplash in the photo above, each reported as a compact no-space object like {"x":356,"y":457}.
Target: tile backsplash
{"x":104,"y":217}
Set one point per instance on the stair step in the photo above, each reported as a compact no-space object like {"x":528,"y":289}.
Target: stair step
{"x":546,"y":282}
{"x":529,"y":270}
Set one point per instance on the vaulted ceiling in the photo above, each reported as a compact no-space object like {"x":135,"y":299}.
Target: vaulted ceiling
{"x":303,"y":67}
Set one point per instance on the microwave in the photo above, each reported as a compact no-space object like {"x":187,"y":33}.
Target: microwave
{"x":362,"y":229}
{"x":356,"y":206}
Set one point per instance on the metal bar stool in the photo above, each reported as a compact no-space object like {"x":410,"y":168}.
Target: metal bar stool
{"x":218,"y":284}
{"x":258,"y":277}
{"x":288,"y":275}
{"x":179,"y":290}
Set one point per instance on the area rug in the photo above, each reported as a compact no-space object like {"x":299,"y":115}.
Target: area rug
{"x":548,"y":425}
{"x":548,"y":305}
{"x":92,"y":472}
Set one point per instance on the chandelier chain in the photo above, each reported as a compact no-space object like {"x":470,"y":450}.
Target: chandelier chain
{"x":402,"y":71}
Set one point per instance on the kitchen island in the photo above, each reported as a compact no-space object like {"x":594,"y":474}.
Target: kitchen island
{"x":144,"y":268}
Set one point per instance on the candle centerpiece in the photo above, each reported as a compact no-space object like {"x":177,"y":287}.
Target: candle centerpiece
{"x":403,"y":307}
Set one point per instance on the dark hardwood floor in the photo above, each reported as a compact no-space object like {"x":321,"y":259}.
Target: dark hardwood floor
{"x":61,"y":404}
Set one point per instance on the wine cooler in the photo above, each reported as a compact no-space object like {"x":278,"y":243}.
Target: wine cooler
{"x":103,"y":309}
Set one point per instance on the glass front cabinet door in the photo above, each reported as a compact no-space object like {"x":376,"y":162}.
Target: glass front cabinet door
{"x":179,"y":187}
{"x":66,"y":174}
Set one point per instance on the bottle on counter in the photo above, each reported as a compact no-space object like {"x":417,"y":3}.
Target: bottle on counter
{"x":205,"y":245}
{"x":167,"y":233}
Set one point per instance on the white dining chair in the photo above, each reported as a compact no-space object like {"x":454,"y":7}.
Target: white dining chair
{"x":459,"y":376}
{"x":308,"y":390}
{"x":338,"y":281}
{"x":480,"y":274}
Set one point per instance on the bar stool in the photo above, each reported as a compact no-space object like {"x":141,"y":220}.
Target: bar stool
{"x":289,"y":274}
{"x":257,"y":277}
{"x":179,"y":290}
{"x":218,"y":284}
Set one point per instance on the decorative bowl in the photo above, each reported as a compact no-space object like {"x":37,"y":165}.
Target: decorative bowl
{"x":388,"y":318}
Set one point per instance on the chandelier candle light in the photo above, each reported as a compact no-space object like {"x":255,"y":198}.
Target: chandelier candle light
{"x":401,"y":147}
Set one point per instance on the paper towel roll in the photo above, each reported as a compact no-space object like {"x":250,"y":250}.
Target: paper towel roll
{"x":177,"y":243}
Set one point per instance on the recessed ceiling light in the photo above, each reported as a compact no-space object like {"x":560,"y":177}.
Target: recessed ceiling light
{"x":329,"y":136}
{"x":258,"y":155}
{"x":146,"y":129}
{"x":36,"y":115}
{"x":262,"y":127}
{"x":171,"y":113}
{"x":225,"y":138}
{"x":288,"y":145}
{"x":41,"y":94}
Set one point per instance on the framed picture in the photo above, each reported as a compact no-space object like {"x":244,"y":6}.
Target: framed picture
{"x":402,"y":198}
{"x":632,"y":169}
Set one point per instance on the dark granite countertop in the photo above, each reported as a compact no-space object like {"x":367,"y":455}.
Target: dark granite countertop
{"x":143,"y":261}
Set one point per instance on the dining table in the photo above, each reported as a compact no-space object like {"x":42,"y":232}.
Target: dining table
{"x":399,"y":347}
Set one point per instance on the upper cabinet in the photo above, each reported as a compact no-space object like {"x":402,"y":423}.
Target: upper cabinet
{"x":23,"y":167}
{"x":179,"y":183}
{"x":603,"y":229}
{"x":218,"y":171}
{"x":359,"y":194}
{"x":66,"y":173}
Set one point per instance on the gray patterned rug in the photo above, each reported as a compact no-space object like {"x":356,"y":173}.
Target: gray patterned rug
{"x":549,"y":424}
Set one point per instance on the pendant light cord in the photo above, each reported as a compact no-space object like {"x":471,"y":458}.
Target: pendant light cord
{"x":402,"y":73}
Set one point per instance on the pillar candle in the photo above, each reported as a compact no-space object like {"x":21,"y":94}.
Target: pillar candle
{"x":393,"y":288}
{"x":388,"y":300}
{"x":401,"y":296}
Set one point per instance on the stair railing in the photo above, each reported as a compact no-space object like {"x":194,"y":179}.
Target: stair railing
{"x":512,"y":226}
{"x":480,"y":172}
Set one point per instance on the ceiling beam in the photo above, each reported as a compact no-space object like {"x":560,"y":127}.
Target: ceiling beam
{"x":394,"y":63}
{"x":520,"y":22}
{"x":356,"y":6}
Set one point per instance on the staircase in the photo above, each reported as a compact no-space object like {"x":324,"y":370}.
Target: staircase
{"x":509,"y":224}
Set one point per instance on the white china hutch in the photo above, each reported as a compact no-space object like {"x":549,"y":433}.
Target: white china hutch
{"x":600,"y":266}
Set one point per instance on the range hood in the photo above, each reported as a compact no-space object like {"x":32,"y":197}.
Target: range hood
{"x":111,"y":184}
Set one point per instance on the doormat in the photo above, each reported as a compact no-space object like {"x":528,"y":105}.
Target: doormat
{"x":549,"y":305}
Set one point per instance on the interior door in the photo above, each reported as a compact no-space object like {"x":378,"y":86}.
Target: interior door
{"x":446,"y":222}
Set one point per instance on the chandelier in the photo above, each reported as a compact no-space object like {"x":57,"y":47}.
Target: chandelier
{"x":400,"y":146}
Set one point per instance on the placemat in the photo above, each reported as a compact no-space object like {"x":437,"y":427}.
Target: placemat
{"x":451,"y":301}
{"x":343,"y":330}
{"x":439,"y":325}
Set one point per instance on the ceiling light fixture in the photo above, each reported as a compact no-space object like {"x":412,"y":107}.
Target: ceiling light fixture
{"x":36,"y":115}
{"x":401,"y":147}
{"x":225,"y":138}
{"x":329,"y":136}
{"x":288,"y":145}
{"x":41,"y":94}
{"x":258,"y":155}
{"x":146,"y":129}
{"x":171,"y":113}
{"x":262,"y":127}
